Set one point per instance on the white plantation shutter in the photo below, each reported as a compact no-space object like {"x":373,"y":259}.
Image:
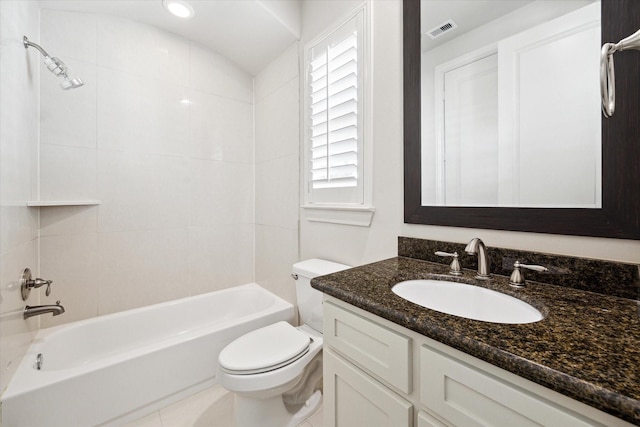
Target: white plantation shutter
{"x":334,"y":116}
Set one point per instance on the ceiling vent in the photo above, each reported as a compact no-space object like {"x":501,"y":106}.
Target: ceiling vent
{"x":445,"y":27}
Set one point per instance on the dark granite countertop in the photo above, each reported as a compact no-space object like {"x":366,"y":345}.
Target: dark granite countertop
{"x":587,"y":347}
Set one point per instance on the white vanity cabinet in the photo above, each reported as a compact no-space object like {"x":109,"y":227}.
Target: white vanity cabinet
{"x":363,"y":361}
{"x":377,"y":373}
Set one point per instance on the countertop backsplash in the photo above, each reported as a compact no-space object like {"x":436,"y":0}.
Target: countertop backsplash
{"x":604,"y":277}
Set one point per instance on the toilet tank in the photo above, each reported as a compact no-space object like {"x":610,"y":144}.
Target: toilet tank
{"x":309,"y":299}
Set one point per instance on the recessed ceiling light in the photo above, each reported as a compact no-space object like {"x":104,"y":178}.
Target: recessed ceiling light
{"x":178,"y":8}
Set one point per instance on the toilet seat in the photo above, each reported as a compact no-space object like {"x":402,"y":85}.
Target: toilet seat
{"x":264,"y":350}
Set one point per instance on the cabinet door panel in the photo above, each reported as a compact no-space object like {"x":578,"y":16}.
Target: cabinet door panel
{"x":466,"y":396}
{"x":353,"y":399}
{"x":380,"y":351}
{"x":426,"y":420}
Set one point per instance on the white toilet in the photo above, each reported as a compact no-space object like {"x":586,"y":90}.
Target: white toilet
{"x":276,"y":371}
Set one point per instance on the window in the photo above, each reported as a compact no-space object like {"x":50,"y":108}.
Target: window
{"x":334,"y":118}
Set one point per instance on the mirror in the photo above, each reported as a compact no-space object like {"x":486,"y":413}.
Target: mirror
{"x":611,"y":208}
{"x":515,"y":113}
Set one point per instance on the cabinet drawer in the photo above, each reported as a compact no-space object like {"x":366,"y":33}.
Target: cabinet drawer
{"x":466,"y":396}
{"x":380,"y":351}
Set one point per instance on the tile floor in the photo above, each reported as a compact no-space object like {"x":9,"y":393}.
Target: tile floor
{"x":209,"y":408}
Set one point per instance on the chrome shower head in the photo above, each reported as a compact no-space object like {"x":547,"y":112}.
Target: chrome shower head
{"x":55,"y":65}
{"x":70,"y":83}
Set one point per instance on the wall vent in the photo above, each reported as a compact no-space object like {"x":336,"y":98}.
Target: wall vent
{"x":445,"y":27}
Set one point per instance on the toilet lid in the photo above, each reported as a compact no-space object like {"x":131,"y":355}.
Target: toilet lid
{"x":264,"y":349}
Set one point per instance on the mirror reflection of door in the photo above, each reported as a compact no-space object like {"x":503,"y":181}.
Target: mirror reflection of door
{"x":469,"y":147}
{"x":517,"y":120}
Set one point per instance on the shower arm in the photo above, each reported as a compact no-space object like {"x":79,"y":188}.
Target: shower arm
{"x":27,"y":43}
{"x":55,"y":65}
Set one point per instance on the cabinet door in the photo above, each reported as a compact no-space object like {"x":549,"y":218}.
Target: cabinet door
{"x":353,"y":399}
{"x":426,"y":420}
{"x":466,"y":396}
{"x":382,"y":352}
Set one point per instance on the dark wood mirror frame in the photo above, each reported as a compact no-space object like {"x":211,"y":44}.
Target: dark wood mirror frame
{"x":619,"y":216}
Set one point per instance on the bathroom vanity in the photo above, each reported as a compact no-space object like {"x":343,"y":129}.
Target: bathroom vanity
{"x":389,"y":362}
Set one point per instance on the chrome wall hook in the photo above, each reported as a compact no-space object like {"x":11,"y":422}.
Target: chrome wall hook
{"x":607,"y":74}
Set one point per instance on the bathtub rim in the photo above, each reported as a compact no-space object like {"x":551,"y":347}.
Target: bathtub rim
{"x":26,"y":370}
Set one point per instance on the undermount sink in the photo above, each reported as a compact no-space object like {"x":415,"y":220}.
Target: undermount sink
{"x":469,"y":301}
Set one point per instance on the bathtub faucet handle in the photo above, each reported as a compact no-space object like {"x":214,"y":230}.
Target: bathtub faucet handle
{"x":36,"y":283}
{"x":27,"y":283}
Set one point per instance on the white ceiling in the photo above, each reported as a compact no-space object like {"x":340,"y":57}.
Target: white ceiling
{"x":250,"y":33}
{"x":467,"y":14}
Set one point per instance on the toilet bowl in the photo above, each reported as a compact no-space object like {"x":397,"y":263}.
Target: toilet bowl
{"x":275,"y":372}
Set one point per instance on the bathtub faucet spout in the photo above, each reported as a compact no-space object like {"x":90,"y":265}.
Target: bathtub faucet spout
{"x":36,"y":310}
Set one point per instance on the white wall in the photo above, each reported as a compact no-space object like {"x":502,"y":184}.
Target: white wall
{"x":277,"y":163}
{"x":359,"y":245}
{"x":18,"y":169}
{"x":162,"y":134}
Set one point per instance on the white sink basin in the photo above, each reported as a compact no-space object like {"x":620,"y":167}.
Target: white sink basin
{"x":472,"y":302}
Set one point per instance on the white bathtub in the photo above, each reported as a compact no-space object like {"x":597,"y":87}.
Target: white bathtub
{"x":115,"y":368}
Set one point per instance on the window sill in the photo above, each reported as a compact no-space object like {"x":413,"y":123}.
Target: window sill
{"x":348,"y":215}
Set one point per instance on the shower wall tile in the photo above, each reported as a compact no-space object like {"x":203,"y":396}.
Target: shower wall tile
{"x":221,"y":193}
{"x":19,"y":224}
{"x":19,"y":87}
{"x":67,"y":173}
{"x":139,"y":268}
{"x":16,"y":333}
{"x":71,"y":261}
{"x":170,"y":125}
{"x":68,"y":35}
{"x":277,"y":174}
{"x":220,"y":128}
{"x":282,"y":70}
{"x":277,"y":193}
{"x":142,"y":50}
{"x":69,"y":117}
{"x":136,"y":113}
{"x":68,"y":220}
{"x":277,"y":131}
{"x":142,"y":191}
{"x":220,"y":257}
{"x":213,"y":73}
{"x":276,"y":252}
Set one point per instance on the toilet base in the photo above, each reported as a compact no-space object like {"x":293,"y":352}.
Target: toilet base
{"x":271,"y":412}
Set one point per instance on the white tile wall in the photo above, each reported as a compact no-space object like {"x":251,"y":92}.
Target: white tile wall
{"x":67,"y":172}
{"x":19,"y":86}
{"x":142,"y":191}
{"x":138,"y":268}
{"x":277,"y":117}
{"x":220,"y":255}
{"x":73,"y":120}
{"x":277,"y":192}
{"x":73,"y":260}
{"x":277,"y":166}
{"x":221,"y":193}
{"x":212,"y":73}
{"x":162,"y":134}
{"x":143,"y":51}
{"x":69,"y":35}
{"x":219,"y":128}
{"x":141,"y":113}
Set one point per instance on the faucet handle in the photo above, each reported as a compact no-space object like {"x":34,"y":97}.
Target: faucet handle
{"x":455,"y":268}
{"x":27,"y":283}
{"x":517,"y":278}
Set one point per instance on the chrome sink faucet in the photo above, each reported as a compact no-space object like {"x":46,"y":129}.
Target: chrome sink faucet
{"x":37,"y":310}
{"x":477,"y":247}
